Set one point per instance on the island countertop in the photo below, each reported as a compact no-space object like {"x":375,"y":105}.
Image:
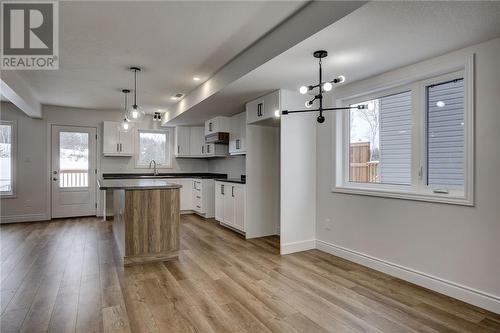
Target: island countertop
{"x":135,"y":184}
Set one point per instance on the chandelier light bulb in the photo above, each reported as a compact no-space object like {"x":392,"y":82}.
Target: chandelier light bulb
{"x":277,"y":113}
{"x":341,"y":78}
{"x":135,"y":113}
{"x":327,"y":86}
{"x":309,"y":104}
{"x":125,"y":124}
{"x":303,"y":90}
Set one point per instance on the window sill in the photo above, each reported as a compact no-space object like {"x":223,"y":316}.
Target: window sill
{"x":405,"y":195}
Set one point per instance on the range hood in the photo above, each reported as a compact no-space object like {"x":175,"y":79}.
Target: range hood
{"x":217,"y":137}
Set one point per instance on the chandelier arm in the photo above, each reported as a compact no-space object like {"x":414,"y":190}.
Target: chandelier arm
{"x":285,"y":112}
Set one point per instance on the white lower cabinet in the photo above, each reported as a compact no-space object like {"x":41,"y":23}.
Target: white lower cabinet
{"x":186,"y":193}
{"x":203,"y":197}
{"x":230,"y":204}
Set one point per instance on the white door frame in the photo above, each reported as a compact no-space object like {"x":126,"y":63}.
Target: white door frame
{"x":93,"y":141}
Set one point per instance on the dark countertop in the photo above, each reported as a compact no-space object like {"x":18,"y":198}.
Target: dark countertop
{"x":129,"y":184}
{"x":149,"y":175}
{"x":231,"y":180}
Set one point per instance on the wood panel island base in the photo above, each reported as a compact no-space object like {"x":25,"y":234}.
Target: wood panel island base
{"x":146,"y":219}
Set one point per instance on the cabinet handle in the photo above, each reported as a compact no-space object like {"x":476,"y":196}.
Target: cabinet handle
{"x":208,"y":149}
{"x":210,"y":127}
{"x":117,"y":147}
{"x":222,"y":189}
{"x":232,"y":191}
{"x":121,"y":148}
{"x":238,"y":144}
{"x":259,"y":109}
{"x":202,"y":150}
{"x":178,"y":149}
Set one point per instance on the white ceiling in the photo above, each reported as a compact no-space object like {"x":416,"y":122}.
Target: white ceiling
{"x":377,"y":37}
{"x":172,"y":41}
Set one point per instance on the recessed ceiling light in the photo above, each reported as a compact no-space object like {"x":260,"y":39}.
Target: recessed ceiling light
{"x":196,"y":78}
{"x":177,"y":96}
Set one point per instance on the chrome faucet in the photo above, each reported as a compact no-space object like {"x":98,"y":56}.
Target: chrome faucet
{"x":155,"y":170}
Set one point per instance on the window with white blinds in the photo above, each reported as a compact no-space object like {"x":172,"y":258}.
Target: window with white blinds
{"x":412,"y":142}
{"x":445,"y":133}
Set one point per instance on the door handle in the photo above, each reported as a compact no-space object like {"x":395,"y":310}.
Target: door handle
{"x":54,"y":179}
{"x":54,"y":172}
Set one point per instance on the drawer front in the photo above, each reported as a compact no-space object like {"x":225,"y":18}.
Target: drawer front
{"x":197,"y":203}
{"x":198,"y":185}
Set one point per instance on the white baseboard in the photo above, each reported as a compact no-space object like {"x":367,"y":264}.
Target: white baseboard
{"x":24,"y":218}
{"x":470,"y":295}
{"x":298,"y":246}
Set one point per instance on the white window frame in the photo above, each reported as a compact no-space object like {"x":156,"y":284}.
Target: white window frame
{"x":13,"y":161}
{"x":418,"y":190}
{"x":168,"y":145}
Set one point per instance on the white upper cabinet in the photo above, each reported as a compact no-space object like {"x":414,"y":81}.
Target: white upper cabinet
{"x":263,"y":108}
{"x":215,"y":150}
{"x":182,"y":141}
{"x":197,"y":142}
{"x":116,"y":142}
{"x":217,"y":124}
{"x":237,"y":136}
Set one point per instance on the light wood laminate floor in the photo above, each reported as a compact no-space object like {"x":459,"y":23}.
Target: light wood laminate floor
{"x":62,"y":276}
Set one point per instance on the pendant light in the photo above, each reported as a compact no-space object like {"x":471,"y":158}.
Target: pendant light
{"x":125,"y":124}
{"x":135,"y":112}
{"x":322,"y":86}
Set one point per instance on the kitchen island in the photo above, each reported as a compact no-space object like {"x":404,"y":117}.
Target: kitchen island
{"x":146,"y":218}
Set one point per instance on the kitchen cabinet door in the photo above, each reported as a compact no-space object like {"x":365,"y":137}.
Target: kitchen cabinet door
{"x":219,"y":202}
{"x":196,"y":141}
{"x":186,"y":193}
{"x":229,"y":204}
{"x":126,"y":142}
{"x":237,"y":136}
{"x":239,"y":207}
{"x":182,"y":141}
{"x":254,"y":110}
{"x":271,"y":104}
{"x":110,"y":140}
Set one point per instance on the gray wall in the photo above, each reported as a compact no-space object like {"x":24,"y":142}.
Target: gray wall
{"x":445,"y":242}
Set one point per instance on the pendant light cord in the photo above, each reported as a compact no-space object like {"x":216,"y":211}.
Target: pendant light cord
{"x":135,"y":88}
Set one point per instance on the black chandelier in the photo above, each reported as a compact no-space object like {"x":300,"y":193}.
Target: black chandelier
{"x":323,"y":86}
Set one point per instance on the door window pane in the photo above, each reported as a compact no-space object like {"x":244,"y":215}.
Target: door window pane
{"x":6,"y":158}
{"x":73,"y":159}
{"x":152,"y":146}
{"x":380,"y":141}
{"x":445,"y":133}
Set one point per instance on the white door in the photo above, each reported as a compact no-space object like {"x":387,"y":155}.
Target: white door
{"x":73,"y":175}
